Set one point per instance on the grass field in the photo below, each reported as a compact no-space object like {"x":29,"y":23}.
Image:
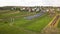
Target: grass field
{"x":38,"y":24}
{"x":59,"y":24}
{"x":20,"y":25}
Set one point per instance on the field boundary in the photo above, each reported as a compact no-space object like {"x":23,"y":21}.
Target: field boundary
{"x":50,"y":22}
{"x":52,"y":26}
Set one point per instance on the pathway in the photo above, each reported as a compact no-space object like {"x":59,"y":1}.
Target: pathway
{"x":51,"y":28}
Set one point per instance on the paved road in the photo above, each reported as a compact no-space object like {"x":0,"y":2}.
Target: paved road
{"x":35,"y":16}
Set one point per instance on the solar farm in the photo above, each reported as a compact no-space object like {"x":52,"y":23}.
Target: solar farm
{"x":44,"y":21}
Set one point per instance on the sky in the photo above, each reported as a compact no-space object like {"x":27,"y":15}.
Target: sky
{"x":29,"y":2}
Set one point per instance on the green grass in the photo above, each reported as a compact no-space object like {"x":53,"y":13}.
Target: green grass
{"x":7,"y":29}
{"x":58,"y":24}
{"x":38,"y":24}
{"x":7,"y":16}
{"x":20,"y":24}
{"x":21,"y":14}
